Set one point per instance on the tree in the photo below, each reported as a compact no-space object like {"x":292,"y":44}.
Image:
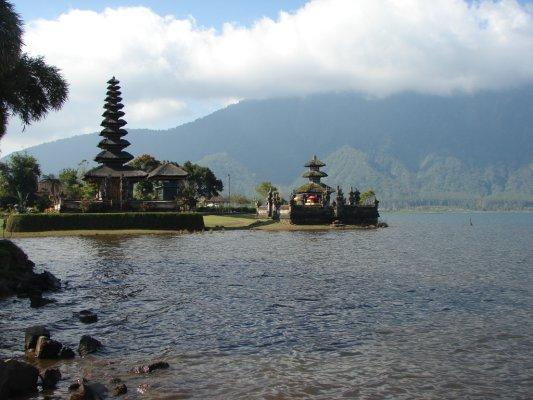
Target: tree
{"x":70,"y":184}
{"x":29,"y":87}
{"x":207,"y":184}
{"x":144,"y":190}
{"x":19,"y":179}
{"x":264,"y":187}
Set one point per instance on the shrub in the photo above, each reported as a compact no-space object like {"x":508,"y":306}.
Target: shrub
{"x":96,"y":221}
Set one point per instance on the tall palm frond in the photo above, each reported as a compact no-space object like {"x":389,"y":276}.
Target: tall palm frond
{"x":10,"y":35}
{"x":32,"y":88}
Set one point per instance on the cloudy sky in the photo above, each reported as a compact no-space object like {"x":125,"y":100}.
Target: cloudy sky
{"x":179,"y":60}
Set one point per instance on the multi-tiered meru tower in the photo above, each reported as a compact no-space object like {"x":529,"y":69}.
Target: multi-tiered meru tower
{"x":114,"y":179}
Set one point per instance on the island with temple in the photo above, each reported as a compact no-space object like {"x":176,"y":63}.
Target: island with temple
{"x":316,"y":203}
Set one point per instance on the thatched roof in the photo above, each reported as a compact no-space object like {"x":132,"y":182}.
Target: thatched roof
{"x":105,"y":171}
{"x":312,"y":187}
{"x":314,"y":174}
{"x":167,"y":172}
{"x":314,"y":162}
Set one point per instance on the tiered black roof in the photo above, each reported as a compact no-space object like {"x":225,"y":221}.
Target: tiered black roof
{"x":314,"y":175}
{"x":112,"y":145}
{"x":113,"y":157}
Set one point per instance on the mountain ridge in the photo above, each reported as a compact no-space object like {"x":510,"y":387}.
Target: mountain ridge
{"x":405,"y":146}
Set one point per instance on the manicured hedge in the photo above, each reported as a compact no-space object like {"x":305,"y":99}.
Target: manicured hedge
{"x":101,"y":221}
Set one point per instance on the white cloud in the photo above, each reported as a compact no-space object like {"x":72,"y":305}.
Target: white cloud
{"x":377,"y":47}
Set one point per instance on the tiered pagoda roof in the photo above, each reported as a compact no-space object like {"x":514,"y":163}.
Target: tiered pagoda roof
{"x":314,"y":175}
{"x":113,"y":157}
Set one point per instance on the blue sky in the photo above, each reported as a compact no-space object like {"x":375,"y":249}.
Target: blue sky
{"x":209,"y":13}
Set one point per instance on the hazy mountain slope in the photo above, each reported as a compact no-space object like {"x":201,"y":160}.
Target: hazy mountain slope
{"x":405,"y":145}
{"x":243,"y":181}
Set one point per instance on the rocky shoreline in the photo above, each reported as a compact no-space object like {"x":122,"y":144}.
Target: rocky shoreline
{"x":27,"y":377}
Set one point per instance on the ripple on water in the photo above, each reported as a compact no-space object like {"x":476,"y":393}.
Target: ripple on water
{"x":429,"y":307}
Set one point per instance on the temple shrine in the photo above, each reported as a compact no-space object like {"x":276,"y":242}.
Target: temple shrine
{"x":312,"y":203}
{"x":114,"y":178}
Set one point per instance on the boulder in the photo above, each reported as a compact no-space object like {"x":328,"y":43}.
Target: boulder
{"x":87,"y":316}
{"x":66,"y":353}
{"x":88,"y":345}
{"x":17,"y":275}
{"x":83,"y":392}
{"x":119,"y":390}
{"x":50,"y":377}
{"x":145,"y":369}
{"x":37,"y":300}
{"x":32,"y":334}
{"x":47,"y":348}
{"x":17,"y":378}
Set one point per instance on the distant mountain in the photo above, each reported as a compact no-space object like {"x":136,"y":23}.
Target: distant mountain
{"x":413,"y":149}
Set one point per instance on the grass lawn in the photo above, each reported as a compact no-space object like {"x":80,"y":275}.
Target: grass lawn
{"x":230,"y":221}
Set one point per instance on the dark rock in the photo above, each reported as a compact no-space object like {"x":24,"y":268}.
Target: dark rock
{"x":115,"y":380}
{"x":46,"y":281}
{"x":47,"y":348}
{"x":87,"y":316}
{"x":66,"y":353}
{"x":38,"y":300}
{"x":76,"y":384}
{"x":50,"y":377}
{"x":88,"y":345}
{"x":145,"y":369}
{"x":17,"y":275}
{"x":83,"y":392}
{"x":17,"y":378}
{"x":143,"y":388}
{"x":31,"y":335}
{"x":119,"y":390}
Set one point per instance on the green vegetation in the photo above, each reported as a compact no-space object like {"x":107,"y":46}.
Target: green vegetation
{"x":18,"y":180}
{"x":73,"y":186}
{"x":104,"y":221}
{"x":263,"y":188}
{"x":200,"y":182}
{"x":29,"y":87}
{"x":144,"y":190}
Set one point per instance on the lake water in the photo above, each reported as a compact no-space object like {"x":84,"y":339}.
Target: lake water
{"x":430,"y":307}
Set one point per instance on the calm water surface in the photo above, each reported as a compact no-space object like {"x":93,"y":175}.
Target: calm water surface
{"x":430,"y":307}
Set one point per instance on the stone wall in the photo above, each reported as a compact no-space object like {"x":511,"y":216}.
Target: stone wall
{"x":358,"y":215}
{"x":311,"y":215}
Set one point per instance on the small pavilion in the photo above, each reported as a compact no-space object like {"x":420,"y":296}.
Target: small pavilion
{"x":314,"y":192}
{"x":113,"y":178}
{"x":170,"y":175}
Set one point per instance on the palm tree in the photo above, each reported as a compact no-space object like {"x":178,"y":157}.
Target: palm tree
{"x":29,"y":87}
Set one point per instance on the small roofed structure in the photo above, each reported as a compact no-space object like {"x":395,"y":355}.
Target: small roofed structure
{"x":170,"y":175}
{"x":314,"y":192}
{"x":113,"y":178}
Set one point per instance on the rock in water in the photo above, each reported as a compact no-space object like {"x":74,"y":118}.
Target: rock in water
{"x":31,"y":335}
{"x":88,"y":345}
{"x":17,"y":275}
{"x":83,"y":392}
{"x":145,"y":369}
{"x":17,"y":378}
{"x":119,"y":390}
{"x":37,"y":300}
{"x":66,"y":353}
{"x":87,"y":316}
{"x":50,"y":377}
{"x":47,"y":348}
